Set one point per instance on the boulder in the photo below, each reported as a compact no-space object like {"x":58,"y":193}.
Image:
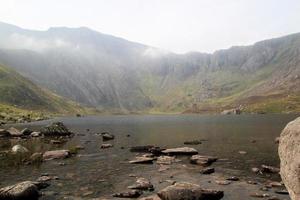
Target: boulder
{"x":188,"y":191}
{"x":181,"y":151}
{"x":203,"y":160}
{"x":289,"y":153}
{"x":19,"y":149}
{"x":14,"y":132}
{"x":57,"y":154}
{"x":56,"y":129}
{"x":20,"y":191}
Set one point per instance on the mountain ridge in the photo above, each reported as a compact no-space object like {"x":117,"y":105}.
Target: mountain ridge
{"x":111,"y":73}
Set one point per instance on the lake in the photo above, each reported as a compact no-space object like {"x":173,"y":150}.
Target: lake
{"x":96,"y":172}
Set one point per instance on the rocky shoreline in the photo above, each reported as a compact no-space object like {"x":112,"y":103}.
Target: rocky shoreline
{"x":179,"y":172}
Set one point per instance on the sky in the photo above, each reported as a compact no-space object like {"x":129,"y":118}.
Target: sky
{"x":175,"y":25}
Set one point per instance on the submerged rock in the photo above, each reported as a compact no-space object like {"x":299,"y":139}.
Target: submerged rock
{"x":56,"y":154}
{"x":289,"y":153}
{"x":19,"y":149}
{"x":181,"y":151}
{"x":141,"y":149}
{"x":207,"y":170}
{"x":56,"y":129}
{"x":20,"y":191}
{"x":203,"y":160}
{"x":36,"y":158}
{"x":188,"y":191}
{"x":193,"y":142}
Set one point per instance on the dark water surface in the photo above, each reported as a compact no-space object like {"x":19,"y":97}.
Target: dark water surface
{"x":96,"y":172}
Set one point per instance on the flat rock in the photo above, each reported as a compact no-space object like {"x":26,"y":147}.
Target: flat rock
{"x":142,"y":160}
{"x":56,"y":154}
{"x":188,"y":191}
{"x":203,"y":160}
{"x":289,"y":153}
{"x":181,"y":151}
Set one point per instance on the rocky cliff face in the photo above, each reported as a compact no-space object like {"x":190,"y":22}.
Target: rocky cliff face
{"x":289,"y":152}
{"x":112,"y":73}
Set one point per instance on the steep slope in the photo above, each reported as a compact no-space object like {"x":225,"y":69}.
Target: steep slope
{"x":20,"y":94}
{"x":114,"y":74}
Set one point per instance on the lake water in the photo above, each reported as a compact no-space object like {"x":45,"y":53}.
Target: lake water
{"x":96,"y":172}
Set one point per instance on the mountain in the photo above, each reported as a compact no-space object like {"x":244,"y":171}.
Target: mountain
{"x":114,"y":74}
{"x":19,"y":95}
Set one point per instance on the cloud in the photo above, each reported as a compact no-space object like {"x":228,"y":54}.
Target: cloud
{"x":19,"y":41}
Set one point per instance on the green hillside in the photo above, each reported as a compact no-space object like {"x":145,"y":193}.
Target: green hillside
{"x":19,"y":97}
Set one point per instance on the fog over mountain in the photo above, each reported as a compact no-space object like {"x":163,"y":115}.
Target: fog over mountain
{"x":111,"y":73}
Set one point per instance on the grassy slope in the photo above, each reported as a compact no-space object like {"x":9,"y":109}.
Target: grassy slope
{"x":19,"y":96}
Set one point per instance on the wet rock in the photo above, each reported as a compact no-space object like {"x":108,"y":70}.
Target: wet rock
{"x":142,"y":184}
{"x":277,"y":140}
{"x":181,"y":151}
{"x":188,"y":191}
{"x":128,"y":194}
{"x":207,"y":170}
{"x":36,"y":158}
{"x":274,"y":184}
{"x":56,"y":129}
{"x":289,"y":153}
{"x":223,"y":182}
{"x":193,"y":142}
{"x":105,"y":146}
{"x":165,"y":160}
{"x":35,"y":134}
{"x":20,"y":191}
{"x":203,"y":160}
{"x":233,"y":178}
{"x":107,"y":136}
{"x":269,"y":169}
{"x":142,"y":160}
{"x":156,"y":150}
{"x":259,"y":195}
{"x":14,"y":132}
{"x":26,"y":131}
{"x":56,"y":154}
{"x":4,"y":133}
{"x":19,"y":149}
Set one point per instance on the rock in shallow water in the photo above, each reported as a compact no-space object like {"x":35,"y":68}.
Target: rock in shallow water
{"x":19,"y":149}
{"x":289,"y":153}
{"x":188,"y":191}
{"x":142,"y":160}
{"x":142,"y":184}
{"x":181,"y":151}
{"x":57,"y":154}
{"x":203,"y":160}
{"x":56,"y":129}
{"x":20,"y":191}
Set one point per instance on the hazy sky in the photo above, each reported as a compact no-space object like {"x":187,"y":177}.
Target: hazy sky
{"x":176,"y":25}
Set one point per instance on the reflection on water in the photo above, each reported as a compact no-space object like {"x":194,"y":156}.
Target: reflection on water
{"x":97,"y":168}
